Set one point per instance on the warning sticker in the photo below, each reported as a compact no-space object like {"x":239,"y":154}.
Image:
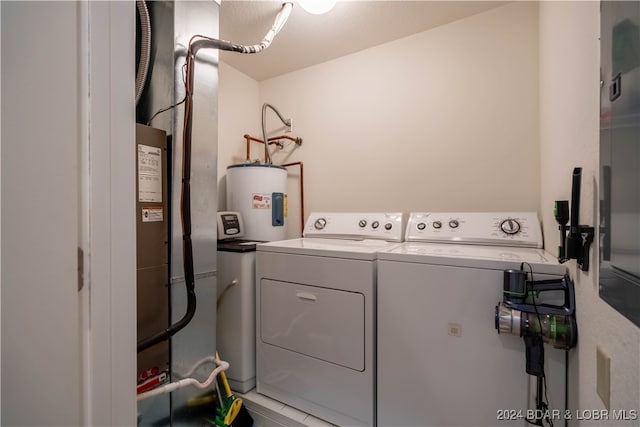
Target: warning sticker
{"x":149,"y":174}
{"x":286,"y":205}
{"x":261,"y":201}
{"x":152,"y":215}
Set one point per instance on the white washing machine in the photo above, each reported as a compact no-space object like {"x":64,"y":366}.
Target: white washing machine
{"x":441,"y":361}
{"x":315,"y":309}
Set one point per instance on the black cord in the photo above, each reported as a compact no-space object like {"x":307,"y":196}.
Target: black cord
{"x":165,"y":109}
{"x":544,"y":401}
{"x":566,"y":386}
{"x":162,"y":110}
{"x":185,"y":214}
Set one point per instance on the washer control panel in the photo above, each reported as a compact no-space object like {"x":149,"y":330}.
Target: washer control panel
{"x":356,"y":225}
{"x":481,"y":228}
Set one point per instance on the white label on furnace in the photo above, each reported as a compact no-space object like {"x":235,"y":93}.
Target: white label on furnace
{"x":261,"y":201}
{"x":149,"y":174}
{"x":152,"y":215}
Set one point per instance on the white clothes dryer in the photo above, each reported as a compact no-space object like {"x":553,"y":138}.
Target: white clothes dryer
{"x":441,"y":361}
{"x":315,"y":308}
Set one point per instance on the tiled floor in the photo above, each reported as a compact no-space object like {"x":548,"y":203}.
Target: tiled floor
{"x":267,"y":412}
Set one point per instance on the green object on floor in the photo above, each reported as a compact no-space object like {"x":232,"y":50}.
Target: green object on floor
{"x":233,"y":413}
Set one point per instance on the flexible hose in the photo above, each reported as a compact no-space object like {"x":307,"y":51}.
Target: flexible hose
{"x":213,"y":43}
{"x":267,"y":155}
{"x":145,"y":48}
{"x":168,"y":388}
{"x":279,"y":22}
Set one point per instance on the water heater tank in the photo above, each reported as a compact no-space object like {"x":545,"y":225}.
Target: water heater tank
{"x":258,"y":192}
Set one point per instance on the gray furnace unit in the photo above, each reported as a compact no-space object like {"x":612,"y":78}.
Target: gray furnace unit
{"x":152,"y":258}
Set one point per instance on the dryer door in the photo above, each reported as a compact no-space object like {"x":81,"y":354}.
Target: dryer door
{"x":322,"y":323}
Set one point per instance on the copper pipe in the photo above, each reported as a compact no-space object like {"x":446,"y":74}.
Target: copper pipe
{"x":301,"y":193}
{"x":250,"y":138}
{"x":290,"y":138}
{"x":272,"y":140}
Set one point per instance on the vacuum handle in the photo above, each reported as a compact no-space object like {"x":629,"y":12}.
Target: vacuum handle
{"x":547,"y":285}
{"x":565,"y":285}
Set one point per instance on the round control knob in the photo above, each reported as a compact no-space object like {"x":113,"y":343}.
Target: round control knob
{"x":454,"y":223}
{"x":362,"y":223}
{"x":421,"y":226}
{"x":437,"y":224}
{"x":375,"y":224}
{"x":388,"y":226}
{"x":510,"y":226}
{"x":320,"y":223}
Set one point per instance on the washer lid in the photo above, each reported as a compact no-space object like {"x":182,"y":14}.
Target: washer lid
{"x":352,"y":249}
{"x":475,"y":256}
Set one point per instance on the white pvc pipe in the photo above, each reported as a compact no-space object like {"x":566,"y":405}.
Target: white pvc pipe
{"x":168,"y":388}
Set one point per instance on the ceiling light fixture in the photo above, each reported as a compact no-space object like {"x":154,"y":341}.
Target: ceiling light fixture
{"x":317,"y":7}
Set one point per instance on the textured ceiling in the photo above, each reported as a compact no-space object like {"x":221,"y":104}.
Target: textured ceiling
{"x":351,"y":26}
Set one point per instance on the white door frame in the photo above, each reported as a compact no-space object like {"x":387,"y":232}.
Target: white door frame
{"x":107,"y":204}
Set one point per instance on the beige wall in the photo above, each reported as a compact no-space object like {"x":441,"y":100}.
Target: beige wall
{"x":487,"y":113}
{"x":238,"y":114}
{"x":412,"y":124}
{"x":569,"y":102}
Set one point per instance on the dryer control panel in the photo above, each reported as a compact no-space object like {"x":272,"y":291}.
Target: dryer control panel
{"x":356,"y":225}
{"x":520,"y":229}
